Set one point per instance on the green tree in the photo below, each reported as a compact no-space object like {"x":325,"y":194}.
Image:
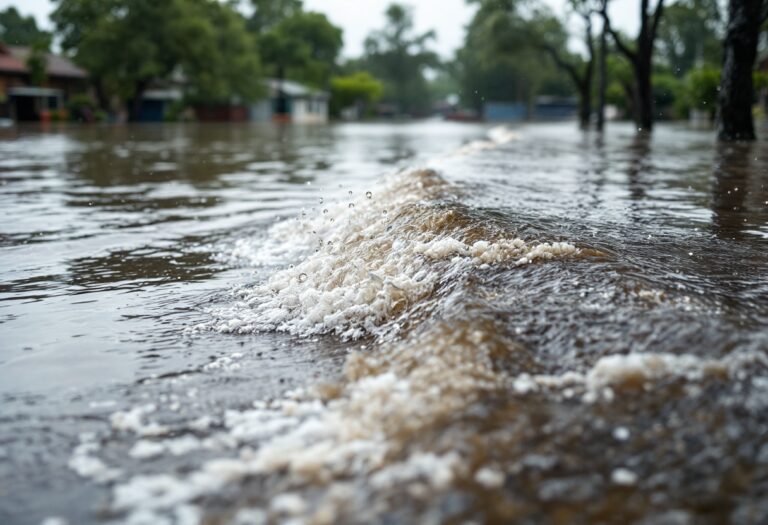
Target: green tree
{"x":128,"y":44}
{"x":358,"y":89}
{"x":690,"y":35}
{"x":400,"y":58}
{"x":18,"y":30}
{"x":640,"y":57}
{"x":268,"y":13}
{"x":37,"y":61}
{"x":227,"y":65}
{"x":701,"y":88}
{"x":501,"y":59}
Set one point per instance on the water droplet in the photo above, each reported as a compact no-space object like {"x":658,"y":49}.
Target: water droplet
{"x":331,"y":219}
{"x":321,"y":200}
{"x":368,"y":194}
{"x":351,"y":205}
{"x":350,"y":193}
{"x":383,"y":212}
{"x":330,"y":243}
{"x":325,"y":211}
{"x":302,"y":277}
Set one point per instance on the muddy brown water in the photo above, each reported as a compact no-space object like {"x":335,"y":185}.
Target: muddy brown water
{"x":218,"y":324}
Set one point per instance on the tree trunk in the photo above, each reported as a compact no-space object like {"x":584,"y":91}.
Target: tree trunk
{"x":281,"y":108}
{"x":585,"y":105}
{"x":739,"y":52}
{"x":102,"y":100}
{"x":138,"y":99}
{"x":641,"y":59}
{"x":586,"y":88}
{"x":602,"y":81}
{"x":644,"y":93}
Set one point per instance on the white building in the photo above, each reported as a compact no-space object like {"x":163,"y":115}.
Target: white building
{"x":299,"y":104}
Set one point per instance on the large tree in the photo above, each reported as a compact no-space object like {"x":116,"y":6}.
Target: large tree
{"x":18,"y":30}
{"x":303,"y":46}
{"x":550,"y":35}
{"x":502,"y":56}
{"x":739,"y":53}
{"x":641,"y":58}
{"x":126,"y":45}
{"x":399,"y":56}
{"x":690,"y":35}
{"x":268,"y":13}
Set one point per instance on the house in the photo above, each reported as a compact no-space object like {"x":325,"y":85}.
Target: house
{"x":543,"y":108}
{"x":290,"y":101}
{"x":20,"y":100}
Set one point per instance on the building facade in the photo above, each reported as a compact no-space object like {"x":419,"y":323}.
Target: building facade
{"x":290,"y":101}
{"x":20,"y":100}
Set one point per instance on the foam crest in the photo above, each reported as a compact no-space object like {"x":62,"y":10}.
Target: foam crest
{"x":377,"y":262}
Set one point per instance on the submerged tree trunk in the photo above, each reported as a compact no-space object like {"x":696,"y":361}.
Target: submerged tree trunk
{"x":641,"y":59}
{"x":138,"y":98}
{"x":736,"y":85}
{"x":586,"y":88}
{"x":644,"y":104}
{"x":602,"y":80}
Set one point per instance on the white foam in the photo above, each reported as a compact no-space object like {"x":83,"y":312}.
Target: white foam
{"x":374,"y":263}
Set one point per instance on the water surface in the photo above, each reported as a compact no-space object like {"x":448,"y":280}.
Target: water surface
{"x":382,"y":323}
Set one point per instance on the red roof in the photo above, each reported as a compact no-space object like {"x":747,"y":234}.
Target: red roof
{"x":13,"y":59}
{"x":9,"y":63}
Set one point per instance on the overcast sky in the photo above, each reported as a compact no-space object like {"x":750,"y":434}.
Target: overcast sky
{"x":359,"y":17}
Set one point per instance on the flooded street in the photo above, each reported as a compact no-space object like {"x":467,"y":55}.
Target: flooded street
{"x":425,"y":323}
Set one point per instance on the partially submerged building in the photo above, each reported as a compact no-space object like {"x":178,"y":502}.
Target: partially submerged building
{"x":20,"y":100}
{"x":544,"y":108}
{"x":290,"y":101}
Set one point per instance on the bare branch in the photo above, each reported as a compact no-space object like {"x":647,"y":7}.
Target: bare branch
{"x":631,"y":55}
{"x":562,"y":64}
{"x":657,"y":17}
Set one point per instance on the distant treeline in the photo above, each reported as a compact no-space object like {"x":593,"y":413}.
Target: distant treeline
{"x":514,"y":51}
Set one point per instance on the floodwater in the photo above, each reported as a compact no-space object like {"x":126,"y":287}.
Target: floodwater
{"x":425,"y":323}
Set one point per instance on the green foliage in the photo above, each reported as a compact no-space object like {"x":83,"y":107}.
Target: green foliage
{"x":227,"y":66}
{"x":128,"y":44}
{"x":760,"y":80}
{"x":18,"y":30}
{"x":37,"y":61}
{"x":690,"y":34}
{"x":360,"y":89}
{"x":620,"y":83}
{"x":303,"y":47}
{"x":702,"y":86}
{"x":82,"y":107}
{"x":399,"y":56}
{"x":268,"y":13}
{"x":504,"y":57}
{"x":668,"y":95}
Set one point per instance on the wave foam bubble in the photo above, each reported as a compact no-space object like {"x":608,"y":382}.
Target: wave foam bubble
{"x":377,"y":262}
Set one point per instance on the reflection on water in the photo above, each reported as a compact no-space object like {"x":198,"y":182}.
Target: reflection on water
{"x":552,"y":327}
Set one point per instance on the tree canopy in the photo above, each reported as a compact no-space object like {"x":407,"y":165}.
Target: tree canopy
{"x":18,"y":30}
{"x":690,"y":34}
{"x":128,"y":44}
{"x":399,"y":56}
{"x":303,"y":46}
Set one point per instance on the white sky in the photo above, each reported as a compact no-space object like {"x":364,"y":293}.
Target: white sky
{"x":359,"y":17}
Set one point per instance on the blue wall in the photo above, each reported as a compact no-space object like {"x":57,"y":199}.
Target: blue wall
{"x":504,"y":111}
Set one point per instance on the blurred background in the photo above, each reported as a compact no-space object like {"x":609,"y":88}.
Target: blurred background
{"x":288,"y":60}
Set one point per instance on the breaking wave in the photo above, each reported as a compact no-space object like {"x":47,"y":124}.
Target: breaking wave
{"x":379,"y":263}
{"x":390,"y":267}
